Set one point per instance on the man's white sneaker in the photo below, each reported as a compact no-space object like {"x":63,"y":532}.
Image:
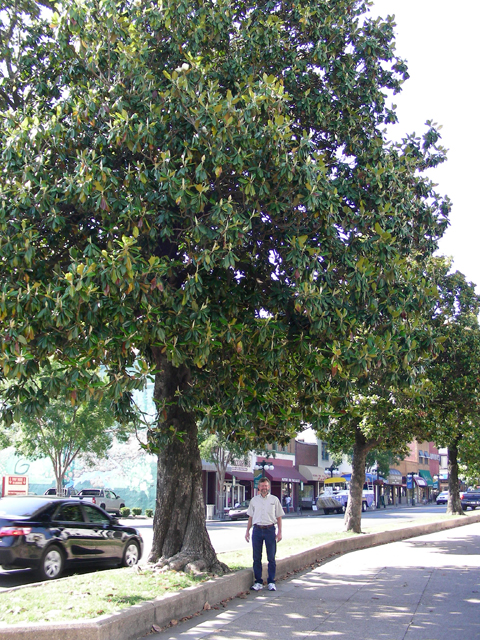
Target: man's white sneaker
{"x":257,"y":586}
{"x":271,"y":586}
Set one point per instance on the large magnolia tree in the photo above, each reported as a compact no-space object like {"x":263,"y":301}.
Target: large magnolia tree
{"x":202,"y":191}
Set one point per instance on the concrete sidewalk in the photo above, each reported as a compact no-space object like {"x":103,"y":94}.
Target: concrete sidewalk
{"x":424,"y":588}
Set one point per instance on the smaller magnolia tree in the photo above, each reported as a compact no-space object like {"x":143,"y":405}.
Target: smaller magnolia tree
{"x":451,"y":404}
{"x":67,"y":427}
{"x":369,"y":425}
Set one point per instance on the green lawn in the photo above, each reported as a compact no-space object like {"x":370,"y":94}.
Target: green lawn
{"x":100,"y":592}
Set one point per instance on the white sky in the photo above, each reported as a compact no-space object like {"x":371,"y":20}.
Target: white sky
{"x":440,"y":41}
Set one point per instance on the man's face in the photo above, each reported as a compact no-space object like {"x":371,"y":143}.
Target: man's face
{"x":264,"y":488}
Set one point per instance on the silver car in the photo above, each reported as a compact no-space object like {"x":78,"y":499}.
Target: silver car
{"x":442,"y":497}
{"x":240,"y":511}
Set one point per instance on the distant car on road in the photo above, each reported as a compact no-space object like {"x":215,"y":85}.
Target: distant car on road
{"x":442,"y":497}
{"x":49,"y":534}
{"x":105,"y":498}
{"x":240,"y":511}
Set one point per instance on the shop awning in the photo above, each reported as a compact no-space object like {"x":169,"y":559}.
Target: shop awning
{"x":335,"y":480}
{"x":315,"y":474}
{"x":426,"y":475}
{"x":285,"y":474}
{"x":394,"y":477}
{"x":240,"y":475}
{"x":420,"y":482}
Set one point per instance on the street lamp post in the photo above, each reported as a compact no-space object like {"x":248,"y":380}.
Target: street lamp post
{"x":412,"y":474}
{"x":332,"y":468}
{"x":377,"y":488}
{"x":264,"y":466}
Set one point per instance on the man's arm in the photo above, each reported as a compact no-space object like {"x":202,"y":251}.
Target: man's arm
{"x":249,"y":526}
{"x":279,"y":529}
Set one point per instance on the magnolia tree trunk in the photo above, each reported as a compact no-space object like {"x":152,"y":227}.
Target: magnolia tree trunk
{"x":454,"y":504}
{"x":180,"y":537}
{"x":353,"y":512}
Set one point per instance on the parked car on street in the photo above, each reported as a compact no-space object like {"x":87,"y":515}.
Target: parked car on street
{"x":442,"y":498}
{"x":50,"y":534}
{"x":368,"y":498}
{"x":67,"y":491}
{"x":329,"y":504}
{"x":240,"y":511}
{"x":105,"y":498}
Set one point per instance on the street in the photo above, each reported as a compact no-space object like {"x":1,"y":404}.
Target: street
{"x":230,"y":536}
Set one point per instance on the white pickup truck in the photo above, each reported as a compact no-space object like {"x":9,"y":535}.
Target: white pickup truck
{"x":104,"y":498}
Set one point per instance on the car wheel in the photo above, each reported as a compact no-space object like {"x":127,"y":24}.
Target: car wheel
{"x":51,"y":564}
{"x":131,"y":554}
{"x":102,"y":506}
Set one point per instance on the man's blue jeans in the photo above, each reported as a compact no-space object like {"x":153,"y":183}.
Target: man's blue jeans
{"x":259,"y":536}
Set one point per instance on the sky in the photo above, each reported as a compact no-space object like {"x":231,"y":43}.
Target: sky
{"x":440,"y":42}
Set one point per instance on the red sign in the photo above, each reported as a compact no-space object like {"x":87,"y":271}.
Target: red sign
{"x":15,"y":486}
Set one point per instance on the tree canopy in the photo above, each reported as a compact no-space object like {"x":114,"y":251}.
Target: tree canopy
{"x":204,"y":191}
{"x":450,"y":403}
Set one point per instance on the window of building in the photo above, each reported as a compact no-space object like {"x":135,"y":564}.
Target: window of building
{"x":325,"y":454}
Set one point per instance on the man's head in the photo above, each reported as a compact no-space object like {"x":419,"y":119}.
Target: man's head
{"x":264,"y":486}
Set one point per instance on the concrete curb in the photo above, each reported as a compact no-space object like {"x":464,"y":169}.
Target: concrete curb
{"x":132,"y":623}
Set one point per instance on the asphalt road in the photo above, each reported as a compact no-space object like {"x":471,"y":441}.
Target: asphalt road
{"x":230,"y":536}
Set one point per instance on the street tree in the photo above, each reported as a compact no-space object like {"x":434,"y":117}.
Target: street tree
{"x":203,"y":192}
{"x":63,"y":431}
{"x":374,"y":426}
{"x":451,"y":401}
{"x":222,"y":451}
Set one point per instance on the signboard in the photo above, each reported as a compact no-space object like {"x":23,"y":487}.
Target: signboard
{"x":15,"y":486}
{"x":409,"y":482}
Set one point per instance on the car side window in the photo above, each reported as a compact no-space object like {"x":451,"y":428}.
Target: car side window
{"x":109,"y":494}
{"x":95,"y":515}
{"x":69,"y":513}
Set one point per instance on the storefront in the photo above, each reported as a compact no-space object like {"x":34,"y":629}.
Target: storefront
{"x":238,"y":486}
{"x":426,"y":475}
{"x":420,"y":489}
{"x":394,"y":489}
{"x":286,"y":481}
{"x":310,"y":491}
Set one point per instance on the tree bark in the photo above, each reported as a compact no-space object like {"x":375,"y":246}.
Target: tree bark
{"x":353,"y":512}
{"x":180,"y":537}
{"x":454,"y":504}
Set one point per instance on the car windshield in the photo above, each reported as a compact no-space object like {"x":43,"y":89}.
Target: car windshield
{"x":21,"y":507}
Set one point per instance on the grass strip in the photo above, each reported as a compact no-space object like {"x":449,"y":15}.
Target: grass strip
{"x":109,"y":591}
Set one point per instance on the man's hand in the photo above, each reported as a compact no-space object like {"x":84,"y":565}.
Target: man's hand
{"x":279,"y":536}
{"x":249,"y":526}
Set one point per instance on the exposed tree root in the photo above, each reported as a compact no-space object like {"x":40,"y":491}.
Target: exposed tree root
{"x":190,"y":563}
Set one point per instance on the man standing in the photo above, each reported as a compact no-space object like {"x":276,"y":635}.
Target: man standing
{"x":264,"y":512}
